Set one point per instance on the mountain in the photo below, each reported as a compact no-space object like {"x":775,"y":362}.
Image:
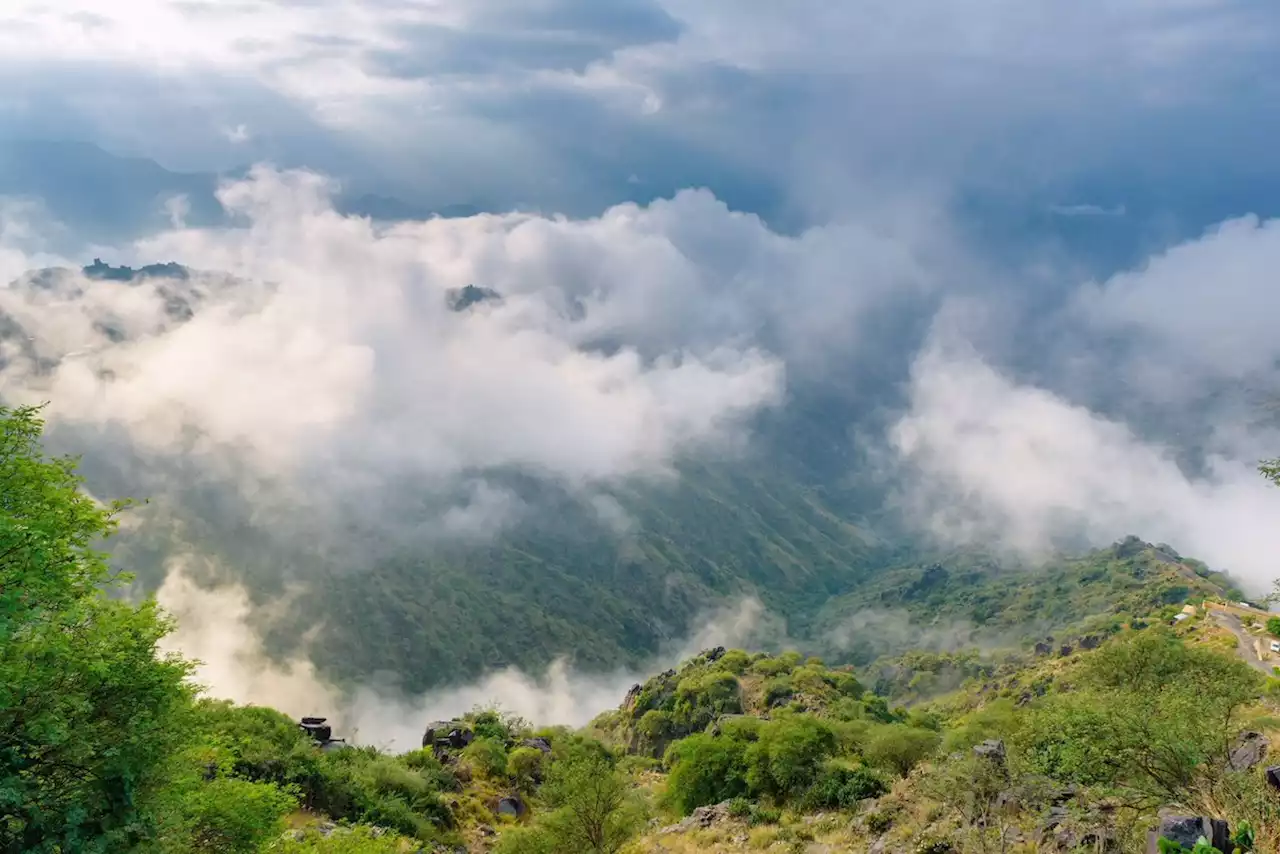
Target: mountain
{"x":106,"y":198}
{"x":610,"y":584}
{"x":1149,"y":714}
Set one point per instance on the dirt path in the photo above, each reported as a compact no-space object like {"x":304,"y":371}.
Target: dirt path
{"x":1244,"y":641}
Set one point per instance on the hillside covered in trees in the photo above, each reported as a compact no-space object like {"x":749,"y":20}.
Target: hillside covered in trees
{"x":107,"y":746}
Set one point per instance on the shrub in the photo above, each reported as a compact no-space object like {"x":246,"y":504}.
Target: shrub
{"x":786,"y":757}
{"x":525,"y":766}
{"x":358,"y":840}
{"x":778,"y":690}
{"x":898,"y":748}
{"x":486,"y":757}
{"x":705,"y":770}
{"x":842,"y":787}
{"x":230,"y":816}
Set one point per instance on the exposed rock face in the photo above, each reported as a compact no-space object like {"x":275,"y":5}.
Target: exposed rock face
{"x":1185,"y":830}
{"x":701,"y":817}
{"x":1249,"y":751}
{"x":537,"y":744}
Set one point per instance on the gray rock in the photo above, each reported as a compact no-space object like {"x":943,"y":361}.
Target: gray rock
{"x":1249,"y":751}
{"x":512,"y":805}
{"x":702,"y":817}
{"x":992,"y":749}
{"x":537,"y":744}
{"x":1273,"y":776}
{"x":1185,"y":830}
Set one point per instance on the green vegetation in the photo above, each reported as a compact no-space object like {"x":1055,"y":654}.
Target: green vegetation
{"x":105,"y":746}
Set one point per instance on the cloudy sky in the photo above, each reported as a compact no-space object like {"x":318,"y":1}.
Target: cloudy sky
{"x":692,"y":207}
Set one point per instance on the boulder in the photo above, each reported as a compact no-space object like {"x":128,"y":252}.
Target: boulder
{"x":512,"y":805}
{"x":1043,"y":648}
{"x":1185,"y":830}
{"x":702,"y":817}
{"x":538,"y":743}
{"x":1249,"y":751}
{"x":447,"y":734}
{"x":1065,"y":650}
{"x":1273,"y":776}
{"x":1090,"y":642}
{"x":992,"y":749}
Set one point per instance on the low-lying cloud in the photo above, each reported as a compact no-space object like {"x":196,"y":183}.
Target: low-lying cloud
{"x":312,"y":372}
{"x":214,"y":629}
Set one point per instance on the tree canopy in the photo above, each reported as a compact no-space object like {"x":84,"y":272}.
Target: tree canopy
{"x":90,"y":714}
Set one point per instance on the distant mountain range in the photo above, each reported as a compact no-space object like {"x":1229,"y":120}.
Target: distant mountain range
{"x":103,"y":197}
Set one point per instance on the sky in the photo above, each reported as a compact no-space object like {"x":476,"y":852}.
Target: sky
{"x":691,"y":209}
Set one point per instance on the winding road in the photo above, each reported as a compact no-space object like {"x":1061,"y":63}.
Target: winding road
{"x":1244,"y":641}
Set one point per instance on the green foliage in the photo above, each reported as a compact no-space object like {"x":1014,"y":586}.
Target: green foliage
{"x":1273,"y":626}
{"x":90,"y":716}
{"x":525,"y":766}
{"x":359,"y":839}
{"x":232,"y":816}
{"x":1132,"y":723}
{"x":839,"y":786}
{"x":786,"y":757}
{"x":593,"y":809}
{"x":486,"y":757}
{"x":899,"y":747}
{"x":705,"y":769}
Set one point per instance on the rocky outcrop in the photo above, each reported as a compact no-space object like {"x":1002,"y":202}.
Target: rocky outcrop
{"x":702,"y":817}
{"x":445,"y":735}
{"x":1249,"y":751}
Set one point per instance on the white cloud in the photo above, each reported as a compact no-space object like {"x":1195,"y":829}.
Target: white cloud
{"x":1201,"y":311}
{"x":996,"y":462}
{"x":214,"y":628}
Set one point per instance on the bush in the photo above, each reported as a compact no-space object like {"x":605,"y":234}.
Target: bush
{"x":705,"y":770}
{"x":358,"y":840}
{"x":898,"y":747}
{"x":842,"y":787}
{"x":778,"y":690}
{"x":525,"y":766}
{"x":786,"y":757}
{"x":230,"y":816}
{"x":486,"y":757}
{"x":879,"y":821}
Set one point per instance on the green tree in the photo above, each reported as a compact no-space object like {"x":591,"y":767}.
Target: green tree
{"x":898,"y":747}
{"x":705,"y":769}
{"x":1133,"y":724}
{"x":595,"y":810}
{"x":1273,"y":627}
{"x":91,"y":717}
{"x":787,"y":756}
{"x":1271,"y":470}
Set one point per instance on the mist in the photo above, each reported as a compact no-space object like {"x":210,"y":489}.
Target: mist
{"x":213,"y":629}
{"x":287,"y":398}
